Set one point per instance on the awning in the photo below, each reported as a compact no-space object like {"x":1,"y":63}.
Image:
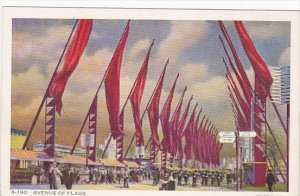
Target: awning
{"x":112,"y":163}
{"x":78,"y":160}
{"x":28,"y":155}
{"x":131,"y":164}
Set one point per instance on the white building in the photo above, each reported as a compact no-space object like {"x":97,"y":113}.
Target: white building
{"x":60,"y":149}
{"x":111,"y":149}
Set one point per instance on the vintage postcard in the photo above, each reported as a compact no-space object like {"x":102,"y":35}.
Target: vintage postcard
{"x":191,"y":101}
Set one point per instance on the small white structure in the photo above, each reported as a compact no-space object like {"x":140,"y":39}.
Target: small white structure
{"x":111,"y":149}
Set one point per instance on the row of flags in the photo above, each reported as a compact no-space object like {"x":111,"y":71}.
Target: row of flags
{"x":248,"y":102}
{"x":240,"y":90}
{"x":174,"y":129}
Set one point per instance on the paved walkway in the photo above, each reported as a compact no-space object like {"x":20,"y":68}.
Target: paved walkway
{"x":146,"y":185}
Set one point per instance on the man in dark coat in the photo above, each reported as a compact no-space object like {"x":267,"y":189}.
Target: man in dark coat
{"x":270,"y":179}
{"x":194,"y":179}
{"x":68,"y":176}
{"x":126,"y":177}
{"x":185,"y":177}
{"x":206,"y":178}
{"x":179,"y":177}
{"x":202,"y":175}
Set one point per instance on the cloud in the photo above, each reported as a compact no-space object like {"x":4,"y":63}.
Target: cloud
{"x":211,"y":88}
{"x":191,"y":73}
{"x":29,"y":50}
{"x":138,"y":47}
{"x":182,"y":35}
{"x":27,"y":87}
{"x":267,"y":30}
{"x":284,"y":58}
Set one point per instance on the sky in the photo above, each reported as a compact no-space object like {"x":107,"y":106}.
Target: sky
{"x":194,"y":50}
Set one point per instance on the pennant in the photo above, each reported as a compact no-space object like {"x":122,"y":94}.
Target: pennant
{"x":245,"y":105}
{"x":71,"y":59}
{"x":181,"y":125}
{"x":174,"y":125}
{"x":246,"y":89}
{"x":263,"y":76}
{"x":237,"y":60}
{"x":153,"y":108}
{"x":165,"y":117}
{"x":136,"y":97}
{"x":188,"y":133}
{"x":112,"y":86}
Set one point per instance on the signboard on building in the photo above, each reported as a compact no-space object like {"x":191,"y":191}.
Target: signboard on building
{"x":247,"y":134}
{"x":227,"y":134}
{"x":227,"y":137}
{"x":227,"y":140}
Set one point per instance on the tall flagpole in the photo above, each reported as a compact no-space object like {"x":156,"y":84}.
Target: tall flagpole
{"x":45,"y":95}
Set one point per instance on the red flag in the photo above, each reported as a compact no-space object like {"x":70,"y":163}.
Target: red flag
{"x":243,"y":123}
{"x":235,"y":55}
{"x":165,"y":116}
{"x":112,"y":86}
{"x":71,"y":59}
{"x":183,"y":119}
{"x":244,"y":105}
{"x":204,"y":141}
{"x":136,"y":97}
{"x":195,"y":135}
{"x":181,"y":125}
{"x":197,"y":120}
{"x":153,"y":108}
{"x":188,"y":133}
{"x":262,"y":73}
{"x":246,"y":89}
{"x":174,"y":125}
{"x":200,"y":140}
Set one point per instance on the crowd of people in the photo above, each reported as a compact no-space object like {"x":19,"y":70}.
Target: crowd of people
{"x":167,"y":179}
{"x":66,"y":174}
{"x":194,"y":178}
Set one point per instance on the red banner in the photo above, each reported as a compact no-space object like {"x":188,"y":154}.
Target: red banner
{"x":196,"y":135}
{"x":188,"y":133}
{"x":112,"y":86}
{"x":153,"y":108}
{"x":71,"y":59}
{"x":136,"y":97}
{"x":237,"y":60}
{"x":180,"y":130}
{"x":165,"y":117}
{"x":174,"y":125}
{"x":262,"y":73}
{"x":245,"y":88}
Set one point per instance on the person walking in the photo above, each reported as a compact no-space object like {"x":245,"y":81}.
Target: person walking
{"x":270,"y":179}
{"x":119,"y":176}
{"x":206,"y":178}
{"x":194,"y":179}
{"x":179,"y":177}
{"x":69,"y":176}
{"x":185,"y":176}
{"x":51,"y":177}
{"x":126,"y":178}
{"x":56,"y":176}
